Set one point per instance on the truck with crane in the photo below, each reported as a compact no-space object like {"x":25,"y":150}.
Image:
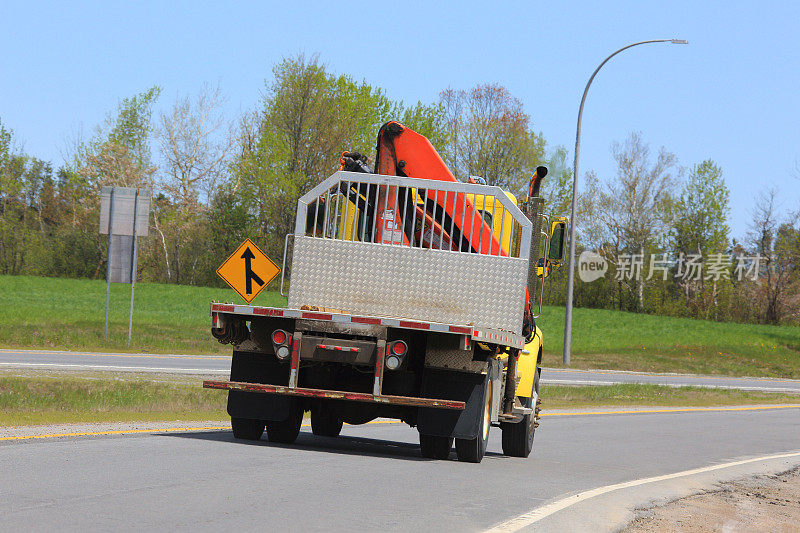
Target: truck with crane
{"x":410,"y":297}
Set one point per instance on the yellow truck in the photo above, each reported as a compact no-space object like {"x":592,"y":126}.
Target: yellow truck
{"x":408,"y":298}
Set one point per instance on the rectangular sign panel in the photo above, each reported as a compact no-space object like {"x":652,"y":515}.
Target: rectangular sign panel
{"x":120,"y":258}
{"x":123,"y":213}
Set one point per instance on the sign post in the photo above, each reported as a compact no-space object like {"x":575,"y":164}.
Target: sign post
{"x":134,"y":254}
{"x":108,"y":263}
{"x":124,"y":216}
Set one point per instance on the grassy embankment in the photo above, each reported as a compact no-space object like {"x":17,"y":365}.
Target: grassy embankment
{"x":68,"y":314}
{"x":65,"y":398}
{"x":619,"y":340}
{"x":39,"y":399}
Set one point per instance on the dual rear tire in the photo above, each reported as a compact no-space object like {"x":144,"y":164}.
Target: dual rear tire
{"x":518,"y":438}
{"x":467,"y":450}
{"x":284,"y":432}
{"x":325,"y":421}
{"x":247,"y":429}
{"x":434,"y":446}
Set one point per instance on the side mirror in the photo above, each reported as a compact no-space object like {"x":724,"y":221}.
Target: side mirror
{"x":558,"y":233}
{"x":543,"y":267}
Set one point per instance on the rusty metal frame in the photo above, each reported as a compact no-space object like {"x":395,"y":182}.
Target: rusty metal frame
{"x":297,"y":338}
{"x":335,"y":395}
{"x":380,"y":355}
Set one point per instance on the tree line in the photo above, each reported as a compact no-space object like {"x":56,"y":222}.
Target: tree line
{"x":217,"y":180}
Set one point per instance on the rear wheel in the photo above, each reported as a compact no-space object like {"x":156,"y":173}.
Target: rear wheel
{"x":247,"y":429}
{"x":286,"y":431}
{"x":435,"y":447}
{"x":325,"y":422}
{"x":473,"y":450}
{"x":518,"y":438}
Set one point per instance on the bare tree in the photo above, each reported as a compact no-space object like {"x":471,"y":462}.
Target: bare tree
{"x":489,"y":135}
{"x":778,"y":244}
{"x":114,"y":164}
{"x":195,"y":140}
{"x":630,"y":213}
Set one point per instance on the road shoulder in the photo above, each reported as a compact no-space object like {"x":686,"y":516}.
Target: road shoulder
{"x":615,"y":509}
{"x":758,"y":503}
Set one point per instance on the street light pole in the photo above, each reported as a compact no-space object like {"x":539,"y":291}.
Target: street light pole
{"x":571,"y":263}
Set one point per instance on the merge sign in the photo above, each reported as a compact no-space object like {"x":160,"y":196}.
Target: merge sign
{"x":248,"y":270}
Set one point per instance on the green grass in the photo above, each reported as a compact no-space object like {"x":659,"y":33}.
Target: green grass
{"x":631,"y":394}
{"x":619,"y":340}
{"x":69,"y":398}
{"x":69,"y":314}
{"x":62,"y":398}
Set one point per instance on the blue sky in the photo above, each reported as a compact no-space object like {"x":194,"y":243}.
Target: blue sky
{"x":730,"y":95}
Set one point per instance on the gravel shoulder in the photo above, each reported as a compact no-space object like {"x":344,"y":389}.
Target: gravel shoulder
{"x":757,"y":503}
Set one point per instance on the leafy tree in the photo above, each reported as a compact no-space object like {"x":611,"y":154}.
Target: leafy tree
{"x":308,"y":117}
{"x":425,"y":119}
{"x":700,"y":214}
{"x":700,"y":226}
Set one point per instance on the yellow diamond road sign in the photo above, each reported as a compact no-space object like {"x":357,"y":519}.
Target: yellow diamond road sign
{"x":248,"y":270}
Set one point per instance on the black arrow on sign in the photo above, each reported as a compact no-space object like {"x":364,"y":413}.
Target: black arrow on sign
{"x":249,"y":275}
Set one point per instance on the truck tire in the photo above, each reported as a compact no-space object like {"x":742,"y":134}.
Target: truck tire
{"x":325,"y":422}
{"x":473,"y":450}
{"x":247,"y":429}
{"x":434,"y":446}
{"x":286,"y":431}
{"x":518,"y":438}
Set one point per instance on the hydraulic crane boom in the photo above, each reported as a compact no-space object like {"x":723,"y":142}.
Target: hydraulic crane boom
{"x":401,"y":151}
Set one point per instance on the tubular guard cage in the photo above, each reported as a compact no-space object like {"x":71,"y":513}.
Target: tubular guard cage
{"x":392,"y":246}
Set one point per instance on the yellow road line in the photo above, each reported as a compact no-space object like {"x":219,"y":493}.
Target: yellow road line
{"x":587,"y":413}
{"x":657,"y":375}
{"x":154,"y":430}
{"x":116,"y":432}
{"x":676,"y":410}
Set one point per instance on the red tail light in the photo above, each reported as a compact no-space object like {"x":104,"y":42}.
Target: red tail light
{"x":399,"y":348}
{"x":279,"y":336}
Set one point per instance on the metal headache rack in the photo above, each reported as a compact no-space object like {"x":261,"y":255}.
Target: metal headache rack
{"x":431,"y":250}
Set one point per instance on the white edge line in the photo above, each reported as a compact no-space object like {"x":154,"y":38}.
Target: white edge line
{"x":666,"y":374}
{"x":537,"y":514}
{"x":125,"y":368}
{"x":579,"y":383}
{"x":15,"y":351}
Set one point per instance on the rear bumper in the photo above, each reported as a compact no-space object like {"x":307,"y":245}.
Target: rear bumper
{"x":475,"y":333}
{"x":335,"y":395}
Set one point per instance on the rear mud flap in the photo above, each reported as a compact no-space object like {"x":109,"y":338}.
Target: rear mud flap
{"x":259,"y":368}
{"x":265,"y":407}
{"x":450,"y":385}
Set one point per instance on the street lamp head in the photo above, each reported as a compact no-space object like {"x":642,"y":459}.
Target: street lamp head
{"x":679,"y":41}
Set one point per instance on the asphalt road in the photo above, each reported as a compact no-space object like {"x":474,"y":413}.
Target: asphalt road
{"x":371,"y":478}
{"x":561,"y":376}
{"x":209,"y":364}
{"x":134,"y":362}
